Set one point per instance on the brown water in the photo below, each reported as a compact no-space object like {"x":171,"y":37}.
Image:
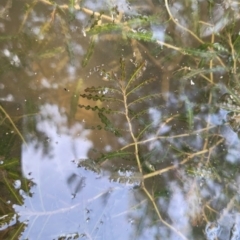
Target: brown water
{"x":110,"y":125}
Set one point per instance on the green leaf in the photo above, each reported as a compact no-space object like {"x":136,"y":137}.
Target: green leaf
{"x":200,"y":53}
{"x":137,"y":87}
{"x":101,"y":98}
{"x":108,"y":125}
{"x":144,"y":98}
{"x":95,"y":108}
{"x":123,"y":69}
{"x":75,"y":98}
{"x":10,"y":187}
{"x":114,"y":155}
{"x":141,"y":36}
{"x":190,"y":114}
{"x":105,"y":28}
{"x":51,"y":53}
{"x":127,"y":177}
{"x":89,"y":53}
{"x":195,"y":72}
{"x":102,"y":90}
{"x":136,"y":74}
{"x":89,"y":164}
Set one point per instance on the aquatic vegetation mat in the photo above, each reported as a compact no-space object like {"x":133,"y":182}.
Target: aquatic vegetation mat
{"x":154,"y":86}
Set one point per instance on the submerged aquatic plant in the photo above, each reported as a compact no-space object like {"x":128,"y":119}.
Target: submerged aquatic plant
{"x":126,"y":112}
{"x":160,"y":132}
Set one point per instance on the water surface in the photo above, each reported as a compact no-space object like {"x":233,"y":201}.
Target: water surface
{"x":114,"y":122}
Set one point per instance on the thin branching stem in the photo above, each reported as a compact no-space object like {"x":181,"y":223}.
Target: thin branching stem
{"x":169,"y":137}
{"x":160,"y":217}
{"x":13,"y":124}
{"x":234,"y":68}
{"x":179,"y":25}
{"x":131,"y":130}
{"x":188,"y":158}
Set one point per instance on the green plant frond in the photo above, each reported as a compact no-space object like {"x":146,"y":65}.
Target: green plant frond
{"x":145,"y":129}
{"x":13,"y":124}
{"x":103,"y":110}
{"x":146,"y":82}
{"x":127,"y":177}
{"x":144,"y":98}
{"x":189,"y":113}
{"x":89,"y":164}
{"x":64,"y":24}
{"x":71,"y":4}
{"x":116,"y":132}
{"x":28,"y":8}
{"x":178,"y":151}
{"x":149,"y":154}
{"x":71,"y":10}
{"x":107,"y":76}
{"x":114,"y":155}
{"x":26,"y":185}
{"x":200,"y":53}
{"x":95,"y":108}
{"x":142,"y":20}
{"x":236,"y":43}
{"x":10,"y":164}
{"x":60,"y":11}
{"x":208,"y":172}
{"x":101,"y":98}
{"x":135,"y":115}
{"x":18,"y":231}
{"x":137,"y":73}
{"x":104,"y":28}
{"x":220,"y":48}
{"x":113,"y":130}
{"x":195,"y":72}
{"x":11,"y":188}
{"x":46,"y":27}
{"x":108,"y":124}
{"x":102,"y":90}
{"x":6,"y":219}
{"x":145,"y":36}
{"x":89,"y":53}
{"x":123,"y":69}
{"x":148,"y":166}
{"x":51,"y":53}
{"x":70,"y":52}
{"x":75,"y":98}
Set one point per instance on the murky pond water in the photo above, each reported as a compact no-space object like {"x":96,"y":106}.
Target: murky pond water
{"x":119,"y":119}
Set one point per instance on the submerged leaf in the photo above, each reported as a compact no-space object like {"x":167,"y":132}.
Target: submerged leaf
{"x":102,"y":90}
{"x":195,"y":72}
{"x":108,"y":125}
{"x":142,"y":36}
{"x":95,"y":108}
{"x":89,"y":53}
{"x":127,"y":177}
{"x":89,"y":164}
{"x":123,"y":69}
{"x":101,"y":98}
{"x":114,"y":155}
{"x":137,"y":73}
{"x":144,"y":98}
{"x":75,"y":98}
{"x":105,"y":28}
{"x":51,"y":53}
{"x":137,"y":87}
{"x":200,"y":53}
